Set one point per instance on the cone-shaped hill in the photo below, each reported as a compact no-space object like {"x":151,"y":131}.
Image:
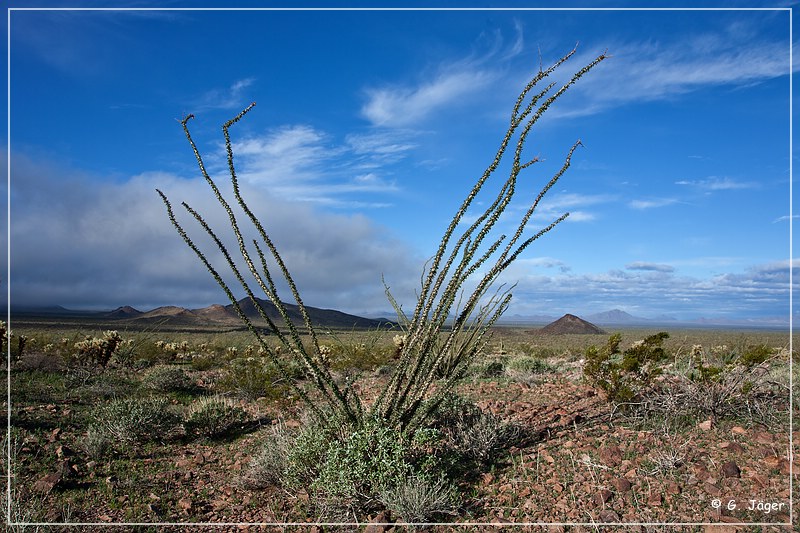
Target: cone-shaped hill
{"x":571,"y":324}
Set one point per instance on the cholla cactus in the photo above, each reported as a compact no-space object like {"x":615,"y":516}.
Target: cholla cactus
{"x":98,"y":350}
{"x":3,"y":337}
{"x":325,"y":353}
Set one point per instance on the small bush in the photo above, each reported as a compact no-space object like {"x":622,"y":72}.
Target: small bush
{"x":215,"y":416}
{"x":371,"y":457}
{"x":344,"y":468}
{"x":134,"y":419}
{"x":755,"y":355}
{"x":251,"y":378}
{"x":202,"y":362}
{"x":488,"y":369}
{"x":475,"y":434}
{"x":168,"y":379}
{"x":269,"y":466}
{"x":527,"y":369}
{"x":96,"y":443}
{"x":624,"y":375}
{"x":417,"y":499}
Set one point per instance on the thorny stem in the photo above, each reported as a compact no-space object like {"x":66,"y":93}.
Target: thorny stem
{"x":404,"y":401}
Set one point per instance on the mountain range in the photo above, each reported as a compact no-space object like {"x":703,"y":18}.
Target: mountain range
{"x":224,"y":315}
{"x":213,"y":315}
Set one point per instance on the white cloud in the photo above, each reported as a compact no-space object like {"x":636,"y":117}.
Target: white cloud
{"x":651,"y":204}
{"x":302,"y":163}
{"x":400,"y":106}
{"x":757,"y":291}
{"x":715,"y":183}
{"x":647,"y":71}
{"x":785,"y":218}
{"x":228,"y":98}
{"x":448,"y":85}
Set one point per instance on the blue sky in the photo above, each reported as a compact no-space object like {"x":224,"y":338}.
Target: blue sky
{"x":370,"y":128}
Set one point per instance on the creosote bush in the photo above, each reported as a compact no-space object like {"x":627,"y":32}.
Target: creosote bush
{"x":623,"y":375}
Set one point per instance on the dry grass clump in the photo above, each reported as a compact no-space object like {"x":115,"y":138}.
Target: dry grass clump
{"x":129,"y":420}
{"x":215,"y":416}
{"x":168,"y":379}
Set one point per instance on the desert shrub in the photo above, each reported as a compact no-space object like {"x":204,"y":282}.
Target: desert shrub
{"x":489,"y":368}
{"x":473,"y":433}
{"x":755,"y":355}
{"x":88,"y":384}
{"x":358,"y":451}
{"x":40,"y":361}
{"x":623,"y":375}
{"x":727,"y":384}
{"x":718,"y":383}
{"x":168,"y":379}
{"x":201,"y":361}
{"x":270,"y":465}
{"x":96,"y":443}
{"x":527,"y":369}
{"x":215,"y":416}
{"x":128,"y":420}
{"x":251,"y":378}
{"x":370,"y":457}
{"x":449,"y":325}
{"x":419,"y":499}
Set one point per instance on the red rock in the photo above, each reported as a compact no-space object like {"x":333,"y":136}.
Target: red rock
{"x":731,"y":469}
{"x":673,"y":488}
{"x":621,"y":484}
{"x":185,"y":504}
{"x":738,"y":430}
{"x":705,"y":425}
{"x":47,"y":483}
{"x":602,"y":497}
{"x":607,"y":515}
{"x":655,"y":499}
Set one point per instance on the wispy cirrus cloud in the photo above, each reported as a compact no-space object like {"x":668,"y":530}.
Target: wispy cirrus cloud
{"x":657,"y":70}
{"x":303,"y":163}
{"x":406,"y":105}
{"x":714,"y":183}
{"x":449,"y":84}
{"x":226,"y":98}
{"x":651,"y":203}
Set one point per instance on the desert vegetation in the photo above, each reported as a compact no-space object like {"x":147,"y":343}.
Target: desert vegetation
{"x":442,"y":418}
{"x":526,"y":435}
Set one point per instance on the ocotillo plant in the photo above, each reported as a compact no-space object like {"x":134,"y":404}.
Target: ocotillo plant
{"x":425,"y":354}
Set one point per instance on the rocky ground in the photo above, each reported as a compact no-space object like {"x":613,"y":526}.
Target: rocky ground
{"x":581,"y":462}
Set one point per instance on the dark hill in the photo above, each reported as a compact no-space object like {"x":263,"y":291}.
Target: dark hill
{"x":571,"y":324}
{"x":126,"y":311}
{"x":319,"y":317}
